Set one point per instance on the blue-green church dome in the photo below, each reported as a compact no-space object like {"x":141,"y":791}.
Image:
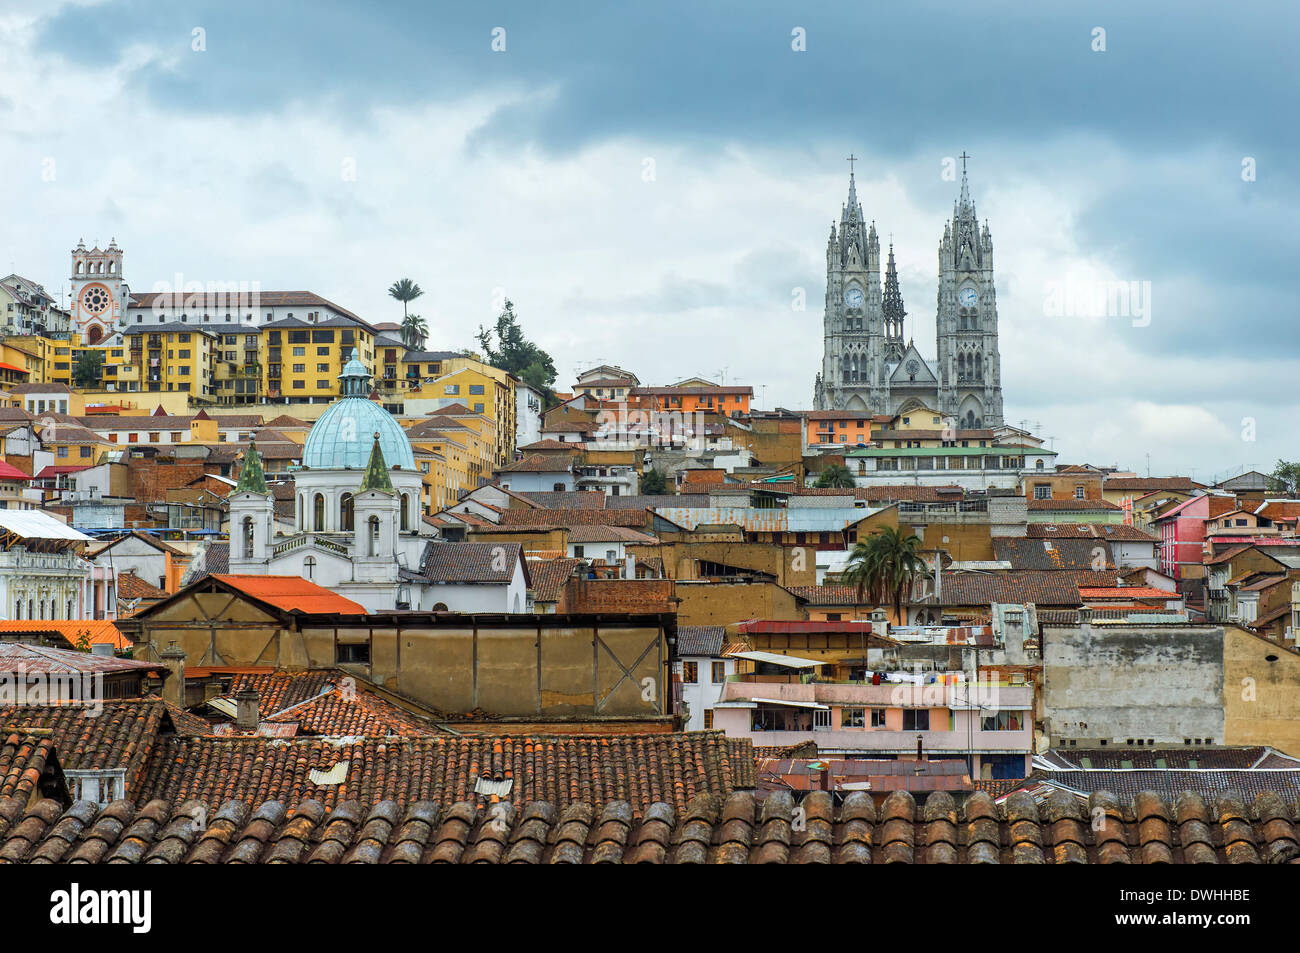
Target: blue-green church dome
{"x":345,"y":433}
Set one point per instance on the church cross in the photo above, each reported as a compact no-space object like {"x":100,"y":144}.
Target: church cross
{"x":850,"y":160}
{"x":963,"y":157}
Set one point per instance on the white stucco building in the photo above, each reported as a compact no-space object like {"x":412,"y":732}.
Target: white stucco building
{"x":357,"y":527}
{"x":43,"y":574}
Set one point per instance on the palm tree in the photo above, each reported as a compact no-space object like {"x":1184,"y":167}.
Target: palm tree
{"x":405,"y":291}
{"x":884,"y":565}
{"x":836,"y":475}
{"x":414,"y":331}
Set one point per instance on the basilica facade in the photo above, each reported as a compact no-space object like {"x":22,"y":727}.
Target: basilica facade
{"x":868,"y":365}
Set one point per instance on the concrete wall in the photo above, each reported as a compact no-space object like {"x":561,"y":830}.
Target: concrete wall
{"x":532,"y":666}
{"x":1119,"y":682}
{"x":1261,"y":704}
{"x":725,"y":603}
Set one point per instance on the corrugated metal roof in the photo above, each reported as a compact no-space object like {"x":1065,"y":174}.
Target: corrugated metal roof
{"x":792,"y":704}
{"x":788,"y":661}
{"x":31,"y":524}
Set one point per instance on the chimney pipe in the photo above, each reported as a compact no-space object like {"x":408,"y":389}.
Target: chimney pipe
{"x":173,"y":659}
{"x":247,"y":715}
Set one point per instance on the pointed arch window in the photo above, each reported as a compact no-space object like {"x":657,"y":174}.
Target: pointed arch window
{"x":318,"y":513}
{"x":373,"y":535}
{"x":347,"y":513}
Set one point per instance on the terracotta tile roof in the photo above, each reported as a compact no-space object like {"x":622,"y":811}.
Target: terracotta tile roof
{"x":147,"y":538}
{"x":539,"y":463}
{"x":1278,"y":509}
{"x":121,"y":735}
{"x":131,"y":586}
{"x":216,"y":558}
{"x":640,"y":769}
{"x":1068,"y":553}
{"x":569,"y":426}
{"x":549,"y":577}
{"x":1111,"y":531}
{"x":25,"y":657}
{"x":1071,"y":504}
{"x":1126,"y":592}
{"x":471,"y":562}
{"x":1184,"y":484}
{"x":47,"y":388}
{"x":709,"y":829}
{"x":608,"y":534}
{"x":581,"y":500}
{"x":1225,"y":756}
{"x":1041,"y":587}
{"x":574,"y":517}
{"x":830,"y":595}
{"x":284,"y":420}
{"x":291,"y":593}
{"x":321,"y":702}
{"x":26,"y":765}
{"x":844,"y":415}
{"x":278,"y":689}
{"x":1174,"y":784}
{"x":263,"y":299}
{"x":700,"y":639}
{"x":346,"y":710}
{"x":548,"y":444}
{"x":649,"y":501}
{"x":73,"y":630}
{"x":186,"y":723}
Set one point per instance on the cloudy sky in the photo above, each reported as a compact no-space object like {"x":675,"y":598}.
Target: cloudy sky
{"x":651,"y":184}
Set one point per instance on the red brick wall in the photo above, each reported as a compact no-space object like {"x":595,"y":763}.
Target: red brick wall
{"x":617,"y":595}
{"x":150,"y":480}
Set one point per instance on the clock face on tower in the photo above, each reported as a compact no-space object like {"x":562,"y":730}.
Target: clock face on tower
{"x":853,"y":297}
{"x":95,"y":299}
{"x":967,"y":297}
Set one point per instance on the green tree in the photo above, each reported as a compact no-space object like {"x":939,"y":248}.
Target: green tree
{"x":836,"y":475}
{"x":653,"y":483}
{"x":505,"y":346}
{"x":885,"y":565}
{"x":414,"y":331}
{"x":89,"y":369}
{"x":404,"y":291}
{"x":1286,"y":478}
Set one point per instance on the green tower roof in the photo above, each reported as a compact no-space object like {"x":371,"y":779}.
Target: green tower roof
{"x":376,"y":475}
{"x":251,"y":477}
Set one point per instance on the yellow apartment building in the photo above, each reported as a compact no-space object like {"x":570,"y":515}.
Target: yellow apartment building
{"x":18,"y":365}
{"x":302,"y":362}
{"x":480,"y":390}
{"x":170,"y":358}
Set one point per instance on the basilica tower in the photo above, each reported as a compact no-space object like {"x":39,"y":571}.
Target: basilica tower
{"x":852,"y":325}
{"x":869,"y":366}
{"x":970,"y":366}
